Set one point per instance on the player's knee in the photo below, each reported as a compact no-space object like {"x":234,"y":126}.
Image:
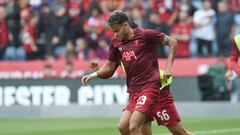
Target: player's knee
{"x":123,"y":128}
{"x":146,"y":129}
{"x":133,"y":126}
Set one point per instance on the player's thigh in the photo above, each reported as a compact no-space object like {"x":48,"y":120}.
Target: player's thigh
{"x":178,"y":129}
{"x":124,"y":120}
{"x":137,"y":119}
{"x":146,"y":128}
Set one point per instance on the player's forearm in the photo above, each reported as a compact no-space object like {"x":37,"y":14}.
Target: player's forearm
{"x":172,"y":50}
{"x":106,"y":71}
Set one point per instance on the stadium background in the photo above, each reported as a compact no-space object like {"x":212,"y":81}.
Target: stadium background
{"x":45,"y":46}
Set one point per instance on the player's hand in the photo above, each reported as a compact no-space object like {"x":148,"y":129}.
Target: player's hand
{"x":94,"y":65}
{"x":167,"y":73}
{"x":229,"y":75}
{"x":86,"y":78}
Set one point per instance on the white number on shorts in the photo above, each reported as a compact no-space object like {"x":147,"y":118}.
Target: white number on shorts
{"x":163,"y":115}
{"x":141,"y":100}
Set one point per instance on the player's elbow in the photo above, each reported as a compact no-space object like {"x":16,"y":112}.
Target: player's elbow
{"x":173,"y":42}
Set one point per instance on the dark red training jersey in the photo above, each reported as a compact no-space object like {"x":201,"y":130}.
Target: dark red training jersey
{"x":139,"y":57}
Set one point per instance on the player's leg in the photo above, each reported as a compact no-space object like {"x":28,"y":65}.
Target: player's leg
{"x":178,"y":129}
{"x":123,"y":125}
{"x":166,"y":114}
{"x":146,"y":128}
{"x":136,"y":123}
{"x":139,"y":104}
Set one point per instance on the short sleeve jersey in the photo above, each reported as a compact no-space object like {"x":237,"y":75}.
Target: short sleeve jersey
{"x":139,"y":57}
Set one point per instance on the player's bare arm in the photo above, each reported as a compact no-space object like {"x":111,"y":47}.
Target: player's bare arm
{"x":104,"y":72}
{"x":172,"y":43}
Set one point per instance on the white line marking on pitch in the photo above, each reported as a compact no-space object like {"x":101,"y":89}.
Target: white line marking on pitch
{"x":215,"y":131}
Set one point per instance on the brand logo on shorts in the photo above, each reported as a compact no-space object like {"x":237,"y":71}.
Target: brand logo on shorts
{"x":138,"y":106}
{"x":166,"y":123}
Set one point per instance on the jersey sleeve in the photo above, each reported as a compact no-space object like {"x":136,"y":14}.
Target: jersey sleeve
{"x":113,"y":53}
{"x":233,"y":63}
{"x":154,"y":36}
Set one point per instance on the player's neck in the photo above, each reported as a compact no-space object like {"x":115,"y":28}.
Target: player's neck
{"x":130,"y":34}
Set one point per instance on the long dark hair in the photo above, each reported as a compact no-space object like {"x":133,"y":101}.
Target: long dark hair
{"x":119,"y":17}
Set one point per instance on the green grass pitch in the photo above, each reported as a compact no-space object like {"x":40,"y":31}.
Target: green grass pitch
{"x":96,"y":126}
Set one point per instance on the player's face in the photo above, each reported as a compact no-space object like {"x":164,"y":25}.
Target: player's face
{"x":121,"y":31}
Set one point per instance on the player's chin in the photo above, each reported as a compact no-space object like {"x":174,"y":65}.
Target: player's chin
{"x":121,"y":38}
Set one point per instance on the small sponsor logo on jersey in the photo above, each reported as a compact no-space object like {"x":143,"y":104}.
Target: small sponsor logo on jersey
{"x":120,"y":49}
{"x":165,"y":123}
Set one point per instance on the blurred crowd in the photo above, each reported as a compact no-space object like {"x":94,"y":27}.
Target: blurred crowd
{"x":76,"y":29}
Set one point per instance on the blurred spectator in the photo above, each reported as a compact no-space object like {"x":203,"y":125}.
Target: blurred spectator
{"x":217,"y":72}
{"x":35,"y":3}
{"x":44,"y":30}
{"x":13,"y":22}
{"x":224,"y":28}
{"x":204,"y":22}
{"x":182,"y":32}
{"x":2,"y":2}
{"x":102,"y":51}
{"x":3,"y":32}
{"x":106,"y":31}
{"x":13,"y":51}
{"x":23,"y":3}
{"x":104,"y":6}
{"x":234,"y":6}
{"x":214,"y":4}
{"x":93,"y":28}
{"x":48,"y":72}
{"x":28,"y":34}
{"x":56,"y":4}
{"x":64,"y":20}
{"x":108,"y":6}
{"x":168,"y":11}
{"x":212,"y":84}
{"x":59,"y":28}
{"x":69,"y":71}
{"x":70,"y":54}
{"x":137,"y":4}
{"x":187,"y":6}
{"x":82,"y":51}
{"x":137,"y":16}
{"x":86,"y":5}
{"x":76,"y":22}
{"x":154,"y":23}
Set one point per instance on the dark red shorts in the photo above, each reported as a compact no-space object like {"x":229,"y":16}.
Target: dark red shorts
{"x":156,"y":104}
